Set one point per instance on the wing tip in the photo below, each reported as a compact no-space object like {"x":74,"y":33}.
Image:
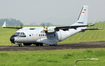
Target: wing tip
{"x":4,"y":25}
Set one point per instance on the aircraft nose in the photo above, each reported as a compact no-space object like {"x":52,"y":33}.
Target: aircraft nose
{"x":12,"y":39}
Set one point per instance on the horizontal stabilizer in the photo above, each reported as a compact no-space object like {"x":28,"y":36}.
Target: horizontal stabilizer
{"x":93,"y":23}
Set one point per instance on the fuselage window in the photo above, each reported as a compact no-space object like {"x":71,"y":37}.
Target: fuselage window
{"x":42,"y":34}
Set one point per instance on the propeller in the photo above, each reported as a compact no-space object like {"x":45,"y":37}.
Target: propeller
{"x":21,"y":26}
{"x":45,"y":26}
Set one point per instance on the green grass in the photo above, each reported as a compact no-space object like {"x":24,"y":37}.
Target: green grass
{"x":52,"y":58}
{"x":87,"y":36}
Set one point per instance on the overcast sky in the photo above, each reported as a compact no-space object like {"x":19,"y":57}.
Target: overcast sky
{"x":58,"y":12}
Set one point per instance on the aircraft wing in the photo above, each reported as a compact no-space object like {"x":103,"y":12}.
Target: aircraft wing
{"x":75,"y":26}
{"x":13,"y":27}
{"x":4,"y":26}
{"x":92,"y":29}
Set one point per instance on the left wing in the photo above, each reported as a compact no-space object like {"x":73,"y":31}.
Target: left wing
{"x":4,"y":26}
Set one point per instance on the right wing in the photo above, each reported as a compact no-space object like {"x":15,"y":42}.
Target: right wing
{"x":92,"y":29}
{"x":73,"y":27}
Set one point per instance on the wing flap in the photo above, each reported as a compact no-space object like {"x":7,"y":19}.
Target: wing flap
{"x":72,"y":27}
{"x":4,"y":26}
{"x":92,"y":29}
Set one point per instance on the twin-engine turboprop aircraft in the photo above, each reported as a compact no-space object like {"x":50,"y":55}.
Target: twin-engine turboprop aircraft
{"x":51,"y":35}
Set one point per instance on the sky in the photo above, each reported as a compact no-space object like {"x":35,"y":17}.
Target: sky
{"x":58,"y":12}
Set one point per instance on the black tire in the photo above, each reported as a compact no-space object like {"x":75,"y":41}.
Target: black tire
{"x":54,"y":45}
{"x":20,"y":45}
{"x":41,"y":44}
{"x":37,"y":44}
{"x":27,"y":44}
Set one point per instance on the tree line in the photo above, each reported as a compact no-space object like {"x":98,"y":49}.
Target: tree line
{"x":10,"y":21}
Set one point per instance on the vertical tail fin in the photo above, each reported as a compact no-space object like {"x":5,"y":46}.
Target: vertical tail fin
{"x":83,"y":16}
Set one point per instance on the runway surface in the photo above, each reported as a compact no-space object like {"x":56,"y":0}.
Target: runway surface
{"x":59,"y":46}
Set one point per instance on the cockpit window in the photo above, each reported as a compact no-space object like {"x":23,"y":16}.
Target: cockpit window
{"x":22,"y":33}
{"x":19,"y":33}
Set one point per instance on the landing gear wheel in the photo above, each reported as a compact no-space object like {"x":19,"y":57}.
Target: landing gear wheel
{"x":54,"y":45}
{"x":41,"y":44}
{"x":20,"y":45}
{"x":26,"y":44}
{"x":37,"y":44}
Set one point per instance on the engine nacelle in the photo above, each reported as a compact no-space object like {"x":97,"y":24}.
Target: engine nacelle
{"x":51,"y":30}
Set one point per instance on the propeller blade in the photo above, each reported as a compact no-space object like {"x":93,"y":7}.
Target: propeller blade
{"x":21,"y":25}
{"x":45,"y":26}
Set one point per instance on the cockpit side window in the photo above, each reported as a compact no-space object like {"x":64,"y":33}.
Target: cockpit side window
{"x":23,"y":33}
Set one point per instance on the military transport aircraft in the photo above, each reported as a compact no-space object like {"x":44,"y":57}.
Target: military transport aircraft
{"x":50,"y":35}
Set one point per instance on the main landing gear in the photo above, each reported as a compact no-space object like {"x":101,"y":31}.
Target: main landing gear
{"x":53,"y":45}
{"x":20,"y":45}
{"x":41,"y":44}
{"x":27,"y":44}
{"x":37,"y":44}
